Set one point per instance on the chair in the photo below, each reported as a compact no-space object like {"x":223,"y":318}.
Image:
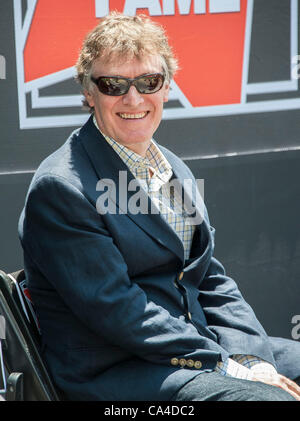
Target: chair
{"x":25,"y":373}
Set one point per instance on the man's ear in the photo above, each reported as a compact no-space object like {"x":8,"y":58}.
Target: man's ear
{"x":89,"y":98}
{"x":166,"y":92}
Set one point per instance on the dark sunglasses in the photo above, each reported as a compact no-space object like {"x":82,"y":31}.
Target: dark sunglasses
{"x":116,"y":86}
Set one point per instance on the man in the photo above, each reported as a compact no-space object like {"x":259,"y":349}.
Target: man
{"x":131,"y":302}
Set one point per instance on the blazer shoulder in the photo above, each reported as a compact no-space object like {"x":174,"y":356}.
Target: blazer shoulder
{"x":69,"y":162}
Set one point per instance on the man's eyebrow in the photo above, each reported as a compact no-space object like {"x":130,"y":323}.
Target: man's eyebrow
{"x":125,"y":77}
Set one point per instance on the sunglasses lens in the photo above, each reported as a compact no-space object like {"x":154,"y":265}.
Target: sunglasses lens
{"x":112,"y":86}
{"x":149,"y":84}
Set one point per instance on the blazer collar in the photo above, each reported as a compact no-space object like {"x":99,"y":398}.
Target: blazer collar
{"x":108,"y":165}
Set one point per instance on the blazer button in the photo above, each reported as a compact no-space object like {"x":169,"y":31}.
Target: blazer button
{"x":198,"y":364}
{"x":190,"y":363}
{"x":182,"y":362}
{"x":189,"y":316}
{"x":174,"y":361}
{"x":180,"y":276}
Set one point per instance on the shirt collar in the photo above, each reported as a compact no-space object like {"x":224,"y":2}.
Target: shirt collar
{"x":154,"y":158}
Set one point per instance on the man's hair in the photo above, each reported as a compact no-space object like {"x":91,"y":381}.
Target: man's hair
{"x":124,"y":37}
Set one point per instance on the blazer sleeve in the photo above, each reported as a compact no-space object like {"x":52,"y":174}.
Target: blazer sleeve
{"x":69,"y":243}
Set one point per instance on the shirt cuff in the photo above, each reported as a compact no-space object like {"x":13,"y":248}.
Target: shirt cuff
{"x":255,"y":364}
{"x":231,"y":368}
{"x":244,"y":367}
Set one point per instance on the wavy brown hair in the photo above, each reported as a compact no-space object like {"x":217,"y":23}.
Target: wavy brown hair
{"x":120,"y":37}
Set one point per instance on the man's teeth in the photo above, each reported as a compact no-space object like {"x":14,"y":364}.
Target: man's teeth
{"x":132,"y":116}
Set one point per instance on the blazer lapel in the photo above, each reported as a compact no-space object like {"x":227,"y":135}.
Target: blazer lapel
{"x":194,"y":204}
{"x":110,"y":167}
{"x":187,"y":188}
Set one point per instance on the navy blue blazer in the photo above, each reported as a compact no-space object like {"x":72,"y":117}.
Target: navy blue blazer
{"x":123,"y":316}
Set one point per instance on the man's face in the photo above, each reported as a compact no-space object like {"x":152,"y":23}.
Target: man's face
{"x":130,"y":119}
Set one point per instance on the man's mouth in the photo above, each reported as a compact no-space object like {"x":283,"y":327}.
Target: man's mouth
{"x":127,"y":116}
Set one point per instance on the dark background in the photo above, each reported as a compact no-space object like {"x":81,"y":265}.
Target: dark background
{"x":250,"y":164}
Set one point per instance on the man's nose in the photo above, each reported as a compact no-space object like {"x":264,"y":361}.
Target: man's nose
{"x":133,"y":97}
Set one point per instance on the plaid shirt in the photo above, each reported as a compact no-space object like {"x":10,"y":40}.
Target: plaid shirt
{"x":153,"y":173}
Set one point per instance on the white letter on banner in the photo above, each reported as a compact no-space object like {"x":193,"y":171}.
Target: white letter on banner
{"x":224,"y":6}
{"x":199,"y":7}
{"x":295,"y":69}
{"x":184,"y":6}
{"x":2,"y":68}
{"x":152,"y":5}
{"x":102,"y":8}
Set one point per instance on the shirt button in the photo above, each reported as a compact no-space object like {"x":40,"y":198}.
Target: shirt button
{"x":198,"y":364}
{"x":180,"y":276}
{"x":174,"y":361}
{"x":182,"y":362}
{"x":190,"y":363}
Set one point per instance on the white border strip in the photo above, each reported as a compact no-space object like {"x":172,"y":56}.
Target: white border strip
{"x":31,"y":4}
{"x":176,"y":94}
{"x":272,"y":87}
{"x":247,"y":46}
{"x":285,"y":85}
{"x":236,"y":109}
{"x":54,"y":101}
{"x":51,"y":79}
{"x":294,"y":34}
{"x":19,"y":61}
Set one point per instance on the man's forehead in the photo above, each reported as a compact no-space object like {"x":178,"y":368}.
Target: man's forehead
{"x":116,"y":63}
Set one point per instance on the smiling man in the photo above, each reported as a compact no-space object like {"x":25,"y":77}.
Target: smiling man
{"x":133,"y":305}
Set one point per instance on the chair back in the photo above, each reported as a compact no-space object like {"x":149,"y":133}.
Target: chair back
{"x":22,"y":361}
